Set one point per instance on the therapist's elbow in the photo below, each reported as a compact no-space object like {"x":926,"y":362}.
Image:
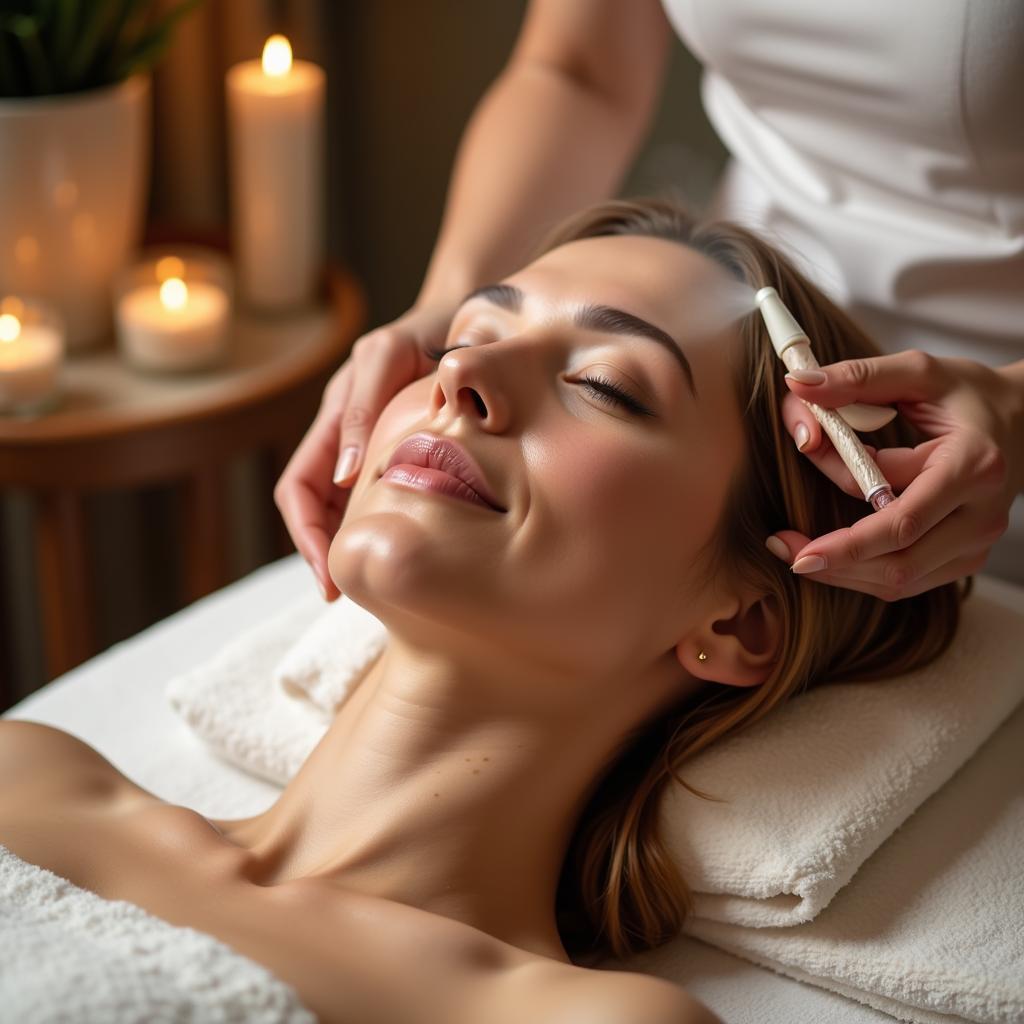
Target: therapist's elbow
{"x":618,"y":53}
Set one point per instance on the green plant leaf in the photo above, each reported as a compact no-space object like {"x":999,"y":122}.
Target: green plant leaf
{"x":87,"y":43}
{"x":148,"y":49}
{"x":127,"y":26}
{"x":55,"y":46}
{"x":10,"y":80}
{"x":65,"y":27}
{"x":25,"y":30}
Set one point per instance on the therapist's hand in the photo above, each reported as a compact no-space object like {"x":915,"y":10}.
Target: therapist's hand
{"x":312,"y":492}
{"x":953,"y":491}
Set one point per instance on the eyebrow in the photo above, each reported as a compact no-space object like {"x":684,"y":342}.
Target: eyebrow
{"x":593,"y":317}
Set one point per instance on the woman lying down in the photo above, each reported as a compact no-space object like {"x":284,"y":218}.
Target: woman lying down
{"x":478,"y":827}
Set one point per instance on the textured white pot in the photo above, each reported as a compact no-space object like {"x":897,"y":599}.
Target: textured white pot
{"x":74,"y":182}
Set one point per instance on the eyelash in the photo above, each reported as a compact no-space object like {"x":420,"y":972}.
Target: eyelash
{"x":600,"y":387}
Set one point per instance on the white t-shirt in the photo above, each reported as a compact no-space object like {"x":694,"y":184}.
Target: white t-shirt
{"x":880,"y":144}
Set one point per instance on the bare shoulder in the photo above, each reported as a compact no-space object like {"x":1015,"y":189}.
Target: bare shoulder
{"x":550,"y":993}
{"x":626,"y":997}
{"x":36,"y":757}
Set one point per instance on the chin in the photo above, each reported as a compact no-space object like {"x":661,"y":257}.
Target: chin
{"x":421,"y":584}
{"x":391,"y":560}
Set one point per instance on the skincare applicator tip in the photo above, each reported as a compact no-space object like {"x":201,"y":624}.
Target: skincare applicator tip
{"x":882,"y":498}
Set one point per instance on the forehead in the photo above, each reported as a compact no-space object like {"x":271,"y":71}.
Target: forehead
{"x":670,"y":284}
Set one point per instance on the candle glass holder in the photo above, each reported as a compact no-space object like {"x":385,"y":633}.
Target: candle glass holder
{"x":32,"y":350}
{"x":173,"y":309}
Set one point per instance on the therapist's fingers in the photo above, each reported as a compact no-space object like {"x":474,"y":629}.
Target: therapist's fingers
{"x":905,"y":377}
{"x":794,"y":414}
{"x":965,"y":532}
{"x":816,"y":445}
{"x":310,"y":505}
{"x":956,"y":469}
{"x":932,"y":495}
{"x":384,"y":362}
{"x":898,"y":465}
{"x":957,"y":568}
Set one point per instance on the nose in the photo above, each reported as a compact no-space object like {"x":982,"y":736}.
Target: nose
{"x":468,"y":383}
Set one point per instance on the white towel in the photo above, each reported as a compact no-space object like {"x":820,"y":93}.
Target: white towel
{"x":931,"y":929}
{"x":232,"y":704}
{"x":818,"y":785}
{"x":67,"y":954}
{"x":789,"y":839}
{"x":332,"y":655}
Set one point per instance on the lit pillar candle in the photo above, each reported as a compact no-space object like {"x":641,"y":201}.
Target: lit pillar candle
{"x":276,"y":130}
{"x":30,"y":360}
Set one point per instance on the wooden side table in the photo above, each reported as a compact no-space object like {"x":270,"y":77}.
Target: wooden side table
{"x":118,"y":427}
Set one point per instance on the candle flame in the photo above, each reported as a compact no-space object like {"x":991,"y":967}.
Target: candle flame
{"x":169,"y":266}
{"x":277,"y":56}
{"x":10,"y":327}
{"x":173,"y":293}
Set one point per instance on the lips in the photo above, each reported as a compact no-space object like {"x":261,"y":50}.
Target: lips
{"x":448,"y":456}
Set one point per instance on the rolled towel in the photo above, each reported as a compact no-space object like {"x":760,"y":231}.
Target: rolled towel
{"x":815,"y":787}
{"x":231,"y":703}
{"x":330,"y":658}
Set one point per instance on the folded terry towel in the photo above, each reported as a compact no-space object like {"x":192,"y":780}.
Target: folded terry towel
{"x":815,"y":788}
{"x":67,"y":954}
{"x":818,"y":785}
{"x":932,"y":927}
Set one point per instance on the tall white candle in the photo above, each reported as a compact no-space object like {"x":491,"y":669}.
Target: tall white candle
{"x":276,"y":128}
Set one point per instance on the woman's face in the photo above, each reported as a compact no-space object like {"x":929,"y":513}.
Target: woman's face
{"x":593,"y":565}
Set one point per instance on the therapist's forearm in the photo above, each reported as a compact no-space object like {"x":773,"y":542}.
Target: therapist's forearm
{"x":539,"y":146}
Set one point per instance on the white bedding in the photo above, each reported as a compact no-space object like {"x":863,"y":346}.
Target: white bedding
{"x":116,"y":703}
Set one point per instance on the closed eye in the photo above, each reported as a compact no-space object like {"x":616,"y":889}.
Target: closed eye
{"x":606,"y":391}
{"x":600,"y":387}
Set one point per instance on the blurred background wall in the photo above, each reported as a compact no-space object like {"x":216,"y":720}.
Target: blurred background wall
{"x":403,"y":77}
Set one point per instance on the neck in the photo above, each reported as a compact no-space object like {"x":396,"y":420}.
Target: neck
{"x":451,"y":787}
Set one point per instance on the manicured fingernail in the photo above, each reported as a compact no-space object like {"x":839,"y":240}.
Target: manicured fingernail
{"x":802,"y":436}
{"x":808,"y":376}
{"x":809,"y":563}
{"x":777,"y":548}
{"x":346,"y":463}
{"x":319,"y":579}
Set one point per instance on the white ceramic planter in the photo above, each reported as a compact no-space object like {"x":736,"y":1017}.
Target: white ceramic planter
{"x":74,"y":182}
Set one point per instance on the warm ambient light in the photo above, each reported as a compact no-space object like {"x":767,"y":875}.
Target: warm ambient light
{"x":173,"y":293}
{"x":169,"y":266}
{"x":277,"y":56}
{"x":10,"y":327}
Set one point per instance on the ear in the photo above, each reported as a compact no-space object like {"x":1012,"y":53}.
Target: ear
{"x":740,"y":638}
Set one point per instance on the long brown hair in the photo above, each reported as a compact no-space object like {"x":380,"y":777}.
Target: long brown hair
{"x":619,"y":890}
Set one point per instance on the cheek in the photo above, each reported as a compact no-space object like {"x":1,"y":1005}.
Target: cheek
{"x":403,"y":415}
{"x":618,"y":509}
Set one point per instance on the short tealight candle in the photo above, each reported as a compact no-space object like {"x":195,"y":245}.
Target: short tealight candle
{"x":32,"y":347}
{"x":174,"y":310}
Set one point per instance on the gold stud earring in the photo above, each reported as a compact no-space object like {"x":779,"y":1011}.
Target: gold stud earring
{"x":702,"y":656}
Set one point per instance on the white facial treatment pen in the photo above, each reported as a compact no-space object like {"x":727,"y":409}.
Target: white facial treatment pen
{"x":793,"y":347}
